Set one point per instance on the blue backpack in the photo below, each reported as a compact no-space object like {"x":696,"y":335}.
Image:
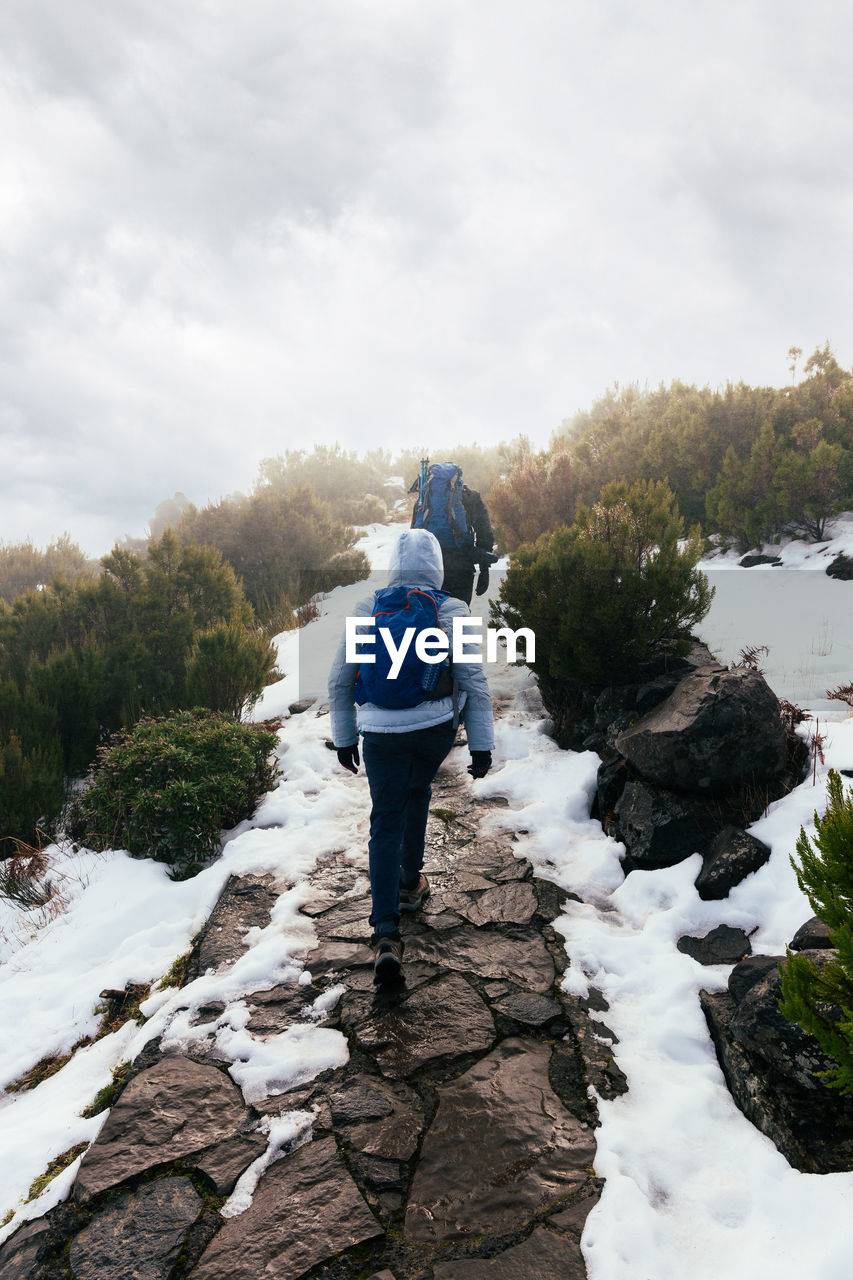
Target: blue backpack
{"x":440,"y":509}
{"x":399,"y":608}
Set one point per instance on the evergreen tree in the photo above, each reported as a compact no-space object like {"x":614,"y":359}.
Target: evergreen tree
{"x":818,"y":994}
{"x":613,"y":591}
{"x":229,"y":667}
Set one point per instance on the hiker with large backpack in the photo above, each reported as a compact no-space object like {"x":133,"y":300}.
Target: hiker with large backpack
{"x":407,"y":720}
{"x":460,"y":521}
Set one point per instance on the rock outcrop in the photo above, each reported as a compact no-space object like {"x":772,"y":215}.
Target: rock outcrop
{"x":773,"y":1069}
{"x":718,"y":729}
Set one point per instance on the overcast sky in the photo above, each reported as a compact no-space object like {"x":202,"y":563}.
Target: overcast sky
{"x":228,"y":230}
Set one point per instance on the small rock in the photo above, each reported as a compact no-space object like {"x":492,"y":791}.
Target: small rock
{"x":501,"y":1149}
{"x":330,"y":957}
{"x":529,"y":1007}
{"x":19,"y":1253}
{"x":732,"y":856}
{"x":573,"y":1218}
{"x":750,"y":562}
{"x":512,"y":903}
{"x":520,"y":956}
{"x":359,"y":1098}
{"x":841,"y":568}
{"x":274,"y":1010}
{"x":225,"y":1162}
{"x":297,"y":708}
{"x":381,"y":1175}
{"x":749,"y":971}
{"x":722,"y":945}
{"x":657,"y":829}
{"x":811,"y":936}
{"x":245,"y":903}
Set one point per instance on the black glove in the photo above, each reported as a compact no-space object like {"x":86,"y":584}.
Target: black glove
{"x":482,"y":581}
{"x":481,"y":763}
{"x":348,"y":757}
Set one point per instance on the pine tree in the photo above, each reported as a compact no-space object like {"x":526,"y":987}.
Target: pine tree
{"x":818,"y":994}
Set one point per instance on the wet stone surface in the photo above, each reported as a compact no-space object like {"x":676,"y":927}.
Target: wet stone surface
{"x":520,"y":956}
{"x":245,"y":903}
{"x":441,"y":1020}
{"x":501,"y":1150}
{"x":170,"y":1111}
{"x":139,"y":1235}
{"x":456,"y":1143}
{"x":544,"y":1255}
{"x":306,"y":1209}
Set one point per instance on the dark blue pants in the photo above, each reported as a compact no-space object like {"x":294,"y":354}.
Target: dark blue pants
{"x":400,"y":769}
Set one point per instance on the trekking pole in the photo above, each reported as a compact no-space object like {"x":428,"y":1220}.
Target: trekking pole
{"x":422,"y":482}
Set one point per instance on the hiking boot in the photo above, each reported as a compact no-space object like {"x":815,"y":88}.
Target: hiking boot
{"x":387,"y":957}
{"x":411,"y":899}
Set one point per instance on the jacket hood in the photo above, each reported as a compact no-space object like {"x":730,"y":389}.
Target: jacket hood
{"x":416,"y":560}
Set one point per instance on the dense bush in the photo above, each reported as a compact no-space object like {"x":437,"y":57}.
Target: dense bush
{"x":23,"y":566}
{"x":539,"y":494}
{"x":367,"y":510}
{"x":31,"y":791}
{"x":334,"y":474}
{"x":818,"y":995}
{"x":278,"y":542}
{"x":229,"y":667}
{"x":79,"y":660}
{"x":168,"y":787}
{"x":750,"y":463}
{"x":613,"y":591}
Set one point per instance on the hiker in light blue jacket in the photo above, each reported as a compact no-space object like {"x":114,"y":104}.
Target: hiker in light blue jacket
{"x":403,"y":749}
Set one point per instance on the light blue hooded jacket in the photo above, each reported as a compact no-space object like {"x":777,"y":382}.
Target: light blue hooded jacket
{"x":415,"y":562}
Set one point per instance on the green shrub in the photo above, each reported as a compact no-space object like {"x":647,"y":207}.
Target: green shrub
{"x":229,"y":667}
{"x":612,"y":592}
{"x":819,"y":996}
{"x":31,"y":791}
{"x":23,"y":566}
{"x":166,"y":788}
{"x":538,"y":494}
{"x":366,"y":510}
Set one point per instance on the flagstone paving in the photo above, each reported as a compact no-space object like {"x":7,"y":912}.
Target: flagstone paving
{"x":456,"y":1144}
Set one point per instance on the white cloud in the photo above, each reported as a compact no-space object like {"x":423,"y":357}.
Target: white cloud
{"x":227,"y":232}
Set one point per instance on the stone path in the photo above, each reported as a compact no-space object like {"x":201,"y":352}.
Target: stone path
{"x":456,"y":1144}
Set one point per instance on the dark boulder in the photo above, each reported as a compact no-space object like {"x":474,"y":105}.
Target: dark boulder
{"x":811,"y":936}
{"x":717,"y":730}
{"x":811,"y":1127}
{"x":731,"y":857}
{"x":750,"y":562}
{"x":841,"y":568}
{"x":763,"y":1030}
{"x":748,"y":971}
{"x":658,"y":829}
{"x":722,"y":945}
{"x":654,"y":692}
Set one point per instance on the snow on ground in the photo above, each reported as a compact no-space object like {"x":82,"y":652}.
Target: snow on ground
{"x":691,"y":1187}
